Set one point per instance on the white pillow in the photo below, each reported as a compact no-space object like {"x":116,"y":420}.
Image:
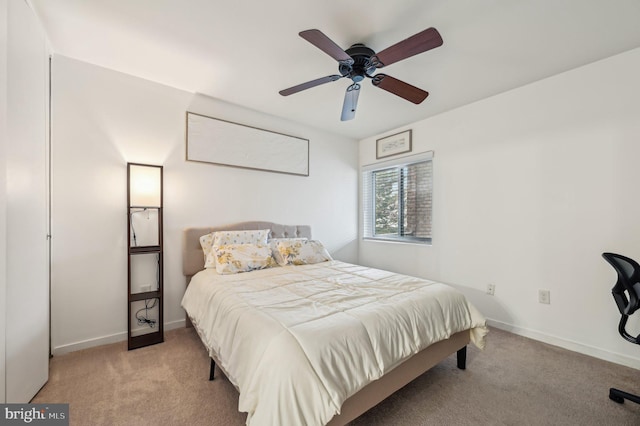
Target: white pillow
{"x":273,"y":243}
{"x":235,"y":258}
{"x":220,"y":238}
{"x":303,"y":252}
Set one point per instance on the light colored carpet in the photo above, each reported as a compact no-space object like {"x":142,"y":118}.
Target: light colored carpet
{"x":514,"y":381}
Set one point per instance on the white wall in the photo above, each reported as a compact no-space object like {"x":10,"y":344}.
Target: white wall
{"x":530,"y":187}
{"x":102,"y":120}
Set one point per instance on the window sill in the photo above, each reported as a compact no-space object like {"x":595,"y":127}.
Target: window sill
{"x":427,"y":243}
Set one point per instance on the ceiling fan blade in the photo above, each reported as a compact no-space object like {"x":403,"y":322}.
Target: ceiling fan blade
{"x":309,"y":84}
{"x":324,"y":43}
{"x":417,"y":43}
{"x":399,"y":88}
{"x":350,"y":102}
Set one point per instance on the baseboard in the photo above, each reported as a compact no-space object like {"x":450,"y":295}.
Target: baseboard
{"x":521,"y":331}
{"x":105,"y":340}
{"x":567,"y":344}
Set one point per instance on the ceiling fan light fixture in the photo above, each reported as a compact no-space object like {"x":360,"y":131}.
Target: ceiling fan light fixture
{"x":350,"y":102}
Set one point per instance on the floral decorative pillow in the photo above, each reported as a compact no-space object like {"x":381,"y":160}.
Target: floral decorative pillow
{"x":302,"y":252}
{"x":235,"y":258}
{"x":206,"y":242}
{"x":221,"y":238}
{"x":273,"y":243}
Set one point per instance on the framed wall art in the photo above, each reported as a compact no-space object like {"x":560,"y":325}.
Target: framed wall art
{"x":399,"y":143}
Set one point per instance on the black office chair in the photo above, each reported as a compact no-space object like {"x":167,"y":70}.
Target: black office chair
{"x":626,"y":293}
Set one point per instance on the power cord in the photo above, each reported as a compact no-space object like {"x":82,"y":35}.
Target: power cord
{"x":144,"y":319}
{"x":133,"y":230}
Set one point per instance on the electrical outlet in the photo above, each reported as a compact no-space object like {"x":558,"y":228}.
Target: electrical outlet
{"x":491,"y":289}
{"x":544,"y":296}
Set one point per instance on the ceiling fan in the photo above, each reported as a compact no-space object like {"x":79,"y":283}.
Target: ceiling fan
{"x":359,"y":61}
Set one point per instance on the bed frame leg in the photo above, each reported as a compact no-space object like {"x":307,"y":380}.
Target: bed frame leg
{"x":213,"y":367}
{"x":462,"y":358}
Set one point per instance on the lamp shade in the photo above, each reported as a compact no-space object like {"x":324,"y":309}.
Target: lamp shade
{"x":145,"y":185}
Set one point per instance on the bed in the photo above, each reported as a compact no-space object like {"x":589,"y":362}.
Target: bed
{"x":301,"y":348}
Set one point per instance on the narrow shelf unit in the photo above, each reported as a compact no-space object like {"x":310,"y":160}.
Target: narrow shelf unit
{"x":145,"y":263}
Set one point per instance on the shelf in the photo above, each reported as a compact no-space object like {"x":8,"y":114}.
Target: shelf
{"x":145,"y":311}
{"x":145,"y":249}
{"x":145,"y":207}
{"x":133,"y":297}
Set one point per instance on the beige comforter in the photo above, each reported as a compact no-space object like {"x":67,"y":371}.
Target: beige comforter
{"x":297,"y":341}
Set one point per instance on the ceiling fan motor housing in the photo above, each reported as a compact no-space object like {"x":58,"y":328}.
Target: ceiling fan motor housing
{"x":361,"y":66}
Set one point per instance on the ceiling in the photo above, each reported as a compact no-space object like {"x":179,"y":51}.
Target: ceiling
{"x":245,"y":51}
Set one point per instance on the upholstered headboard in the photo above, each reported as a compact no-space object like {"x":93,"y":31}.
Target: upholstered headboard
{"x":193,"y":259}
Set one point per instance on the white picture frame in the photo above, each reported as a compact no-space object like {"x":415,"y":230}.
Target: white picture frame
{"x":221,"y":142}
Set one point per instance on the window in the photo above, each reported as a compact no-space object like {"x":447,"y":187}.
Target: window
{"x":397,"y":199}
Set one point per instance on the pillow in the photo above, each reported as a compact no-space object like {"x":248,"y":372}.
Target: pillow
{"x":273,"y":244}
{"x":223,"y":238}
{"x":220,"y":238}
{"x":206,"y":242}
{"x":302,"y":252}
{"x":235,"y":258}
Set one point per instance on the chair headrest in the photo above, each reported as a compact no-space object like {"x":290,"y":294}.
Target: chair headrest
{"x":626,"y":291}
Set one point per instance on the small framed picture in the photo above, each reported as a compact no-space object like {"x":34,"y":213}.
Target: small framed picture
{"x":394,"y":144}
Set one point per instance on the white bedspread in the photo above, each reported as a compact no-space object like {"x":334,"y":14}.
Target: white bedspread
{"x":321,"y":332}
